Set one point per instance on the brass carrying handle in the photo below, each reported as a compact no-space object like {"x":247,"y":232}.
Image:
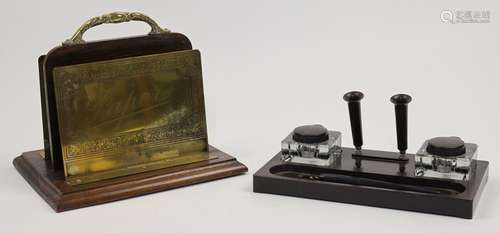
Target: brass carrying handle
{"x":114,"y":17}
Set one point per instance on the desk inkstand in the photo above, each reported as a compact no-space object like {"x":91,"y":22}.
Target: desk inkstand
{"x":444,"y":177}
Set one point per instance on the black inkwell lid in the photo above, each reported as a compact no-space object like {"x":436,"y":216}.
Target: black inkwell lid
{"x":310,"y":134}
{"x":446,"y":146}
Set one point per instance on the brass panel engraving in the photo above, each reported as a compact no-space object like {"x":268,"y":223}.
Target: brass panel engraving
{"x":130,"y":115}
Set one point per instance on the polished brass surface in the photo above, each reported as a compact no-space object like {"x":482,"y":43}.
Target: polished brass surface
{"x":130,"y":115}
{"x":114,"y":17}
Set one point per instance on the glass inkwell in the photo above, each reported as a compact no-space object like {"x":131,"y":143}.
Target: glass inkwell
{"x":446,"y":158}
{"x":311,"y":144}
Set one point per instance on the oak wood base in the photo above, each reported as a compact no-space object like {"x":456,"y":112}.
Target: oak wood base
{"x":52,"y":187}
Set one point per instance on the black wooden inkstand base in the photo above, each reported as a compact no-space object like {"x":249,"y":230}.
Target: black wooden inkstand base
{"x":374,"y":178}
{"x":272,"y":178}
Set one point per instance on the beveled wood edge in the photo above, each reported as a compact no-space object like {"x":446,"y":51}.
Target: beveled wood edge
{"x":43,"y":188}
{"x":115,"y":192}
{"x":154,"y":184}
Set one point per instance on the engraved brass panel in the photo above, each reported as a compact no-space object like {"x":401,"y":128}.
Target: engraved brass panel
{"x":130,"y":115}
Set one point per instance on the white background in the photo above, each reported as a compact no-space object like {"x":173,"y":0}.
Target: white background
{"x":268,"y":67}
